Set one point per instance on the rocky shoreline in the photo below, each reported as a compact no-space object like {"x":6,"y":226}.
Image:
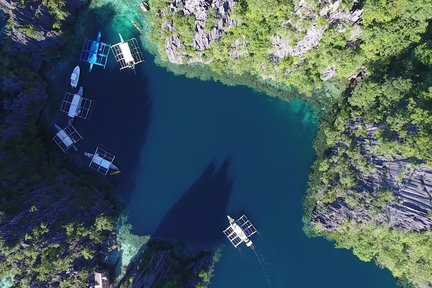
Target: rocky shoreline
{"x":49,"y":213}
{"x":167,"y":264}
{"x":309,"y":46}
{"x":54,"y":214}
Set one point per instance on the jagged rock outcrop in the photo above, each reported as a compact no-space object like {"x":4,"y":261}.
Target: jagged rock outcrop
{"x":331,"y":11}
{"x":211,"y":19}
{"x":203,"y":37}
{"x":43,"y":37}
{"x":48,"y":211}
{"x":170,"y":264}
{"x":36,"y":223}
{"x":410,"y":184}
{"x":29,"y":35}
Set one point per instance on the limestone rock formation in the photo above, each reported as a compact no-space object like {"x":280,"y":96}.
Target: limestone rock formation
{"x":29,"y":33}
{"x":202,"y":38}
{"x":168,"y":264}
{"x":410,"y":184}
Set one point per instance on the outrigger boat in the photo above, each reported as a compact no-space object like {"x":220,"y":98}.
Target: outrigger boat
{"x":92,"y":58}
{"x":66,"y":137}
{"x":127,"y":53}
{"x":95,"y":52}
{"x":145,"y":7}
{"x":102,"y":162}
{"x":75,"y":77}
{"x":240,"y":231}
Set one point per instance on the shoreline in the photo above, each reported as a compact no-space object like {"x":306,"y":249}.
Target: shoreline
{"x":331,"y":90}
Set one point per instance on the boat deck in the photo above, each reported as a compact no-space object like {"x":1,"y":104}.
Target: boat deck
{"x":101,"y":54}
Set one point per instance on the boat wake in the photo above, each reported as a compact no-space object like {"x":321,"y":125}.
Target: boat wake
{"x":263,"y":263}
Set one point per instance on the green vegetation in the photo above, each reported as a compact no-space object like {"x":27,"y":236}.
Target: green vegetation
{"x":407,"y":254}
{"x":35,"y":254}
{"x":388,"y":27}
{"x":206,"y":276}
{"x":389,"y":48}
{"x":56,"y":9}
{"x":395,"y":98}
{"x":48,"y":235}
{"x":173,"y":265}
{"x":29,"y":30}
{"x":35,"y":257}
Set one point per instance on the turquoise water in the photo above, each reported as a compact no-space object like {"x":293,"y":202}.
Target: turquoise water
{"x":193,"y":151}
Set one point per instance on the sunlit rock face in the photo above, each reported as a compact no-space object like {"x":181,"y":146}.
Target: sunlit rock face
{"x":202,"y":11}
{"x":411,"y":185}
{"x":210,"y":21}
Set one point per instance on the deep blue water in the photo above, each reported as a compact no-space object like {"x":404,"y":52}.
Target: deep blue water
{"x":193,"y":151}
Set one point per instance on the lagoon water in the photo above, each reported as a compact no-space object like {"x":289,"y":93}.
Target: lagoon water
{"x":193,"y":151}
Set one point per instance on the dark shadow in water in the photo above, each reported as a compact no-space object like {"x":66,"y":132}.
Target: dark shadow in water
{"x":121,"y":114}
{"x":199,"y":215}
{"x":120,"y":120}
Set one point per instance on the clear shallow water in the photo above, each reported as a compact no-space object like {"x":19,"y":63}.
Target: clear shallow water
{"x":193,"y":151}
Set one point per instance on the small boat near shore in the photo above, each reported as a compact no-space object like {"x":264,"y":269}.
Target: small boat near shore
{"x":136,"y":26}
{"x":75,"y":77}
{"x":102,"y":162}
{"x":145,"y":7}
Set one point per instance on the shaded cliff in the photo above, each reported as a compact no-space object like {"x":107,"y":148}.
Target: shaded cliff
{"x":55,"y":220}
{"x":168,"y":264}
{"x":183,"y":250}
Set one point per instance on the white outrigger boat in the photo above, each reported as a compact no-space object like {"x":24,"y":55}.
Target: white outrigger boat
{"x":240,"y":231}
{"x":102,"y":162}
{"x":75,"y":77}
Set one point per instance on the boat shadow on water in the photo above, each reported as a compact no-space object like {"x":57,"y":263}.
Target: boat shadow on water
{"x":198,"y":217}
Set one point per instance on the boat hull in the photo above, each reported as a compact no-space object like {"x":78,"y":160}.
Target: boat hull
{"x":75,"y":77}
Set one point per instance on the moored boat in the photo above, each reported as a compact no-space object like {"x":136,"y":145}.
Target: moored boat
{"x":136,"y":26}
{"x":144,"y":6}
{"x":75,"y":77}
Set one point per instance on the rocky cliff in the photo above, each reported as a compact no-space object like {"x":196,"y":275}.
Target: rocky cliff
{"x":167,"y":264}
{"x":370,"y":190}
{"x":31,"y":36}
{"x":55,"y":221}
{"x":212,"y":19}
{"x":277,"y":41}
{"x":409,"y":186}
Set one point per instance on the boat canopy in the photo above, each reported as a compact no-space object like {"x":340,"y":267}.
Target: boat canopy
{"x":127,"y":53}
{"x":239,"y":231}
{"x":95,"y":52}
{"x":76,"y":106}
{"x":102,"y":161}
{"x":67,"y":137}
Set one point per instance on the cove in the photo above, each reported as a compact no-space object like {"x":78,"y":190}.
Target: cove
{"x":192,"y":151}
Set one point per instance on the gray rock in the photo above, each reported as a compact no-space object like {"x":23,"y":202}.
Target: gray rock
{"x":23,"y":105}
{"x":203,"y":38}
{"x":410,"y":183}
